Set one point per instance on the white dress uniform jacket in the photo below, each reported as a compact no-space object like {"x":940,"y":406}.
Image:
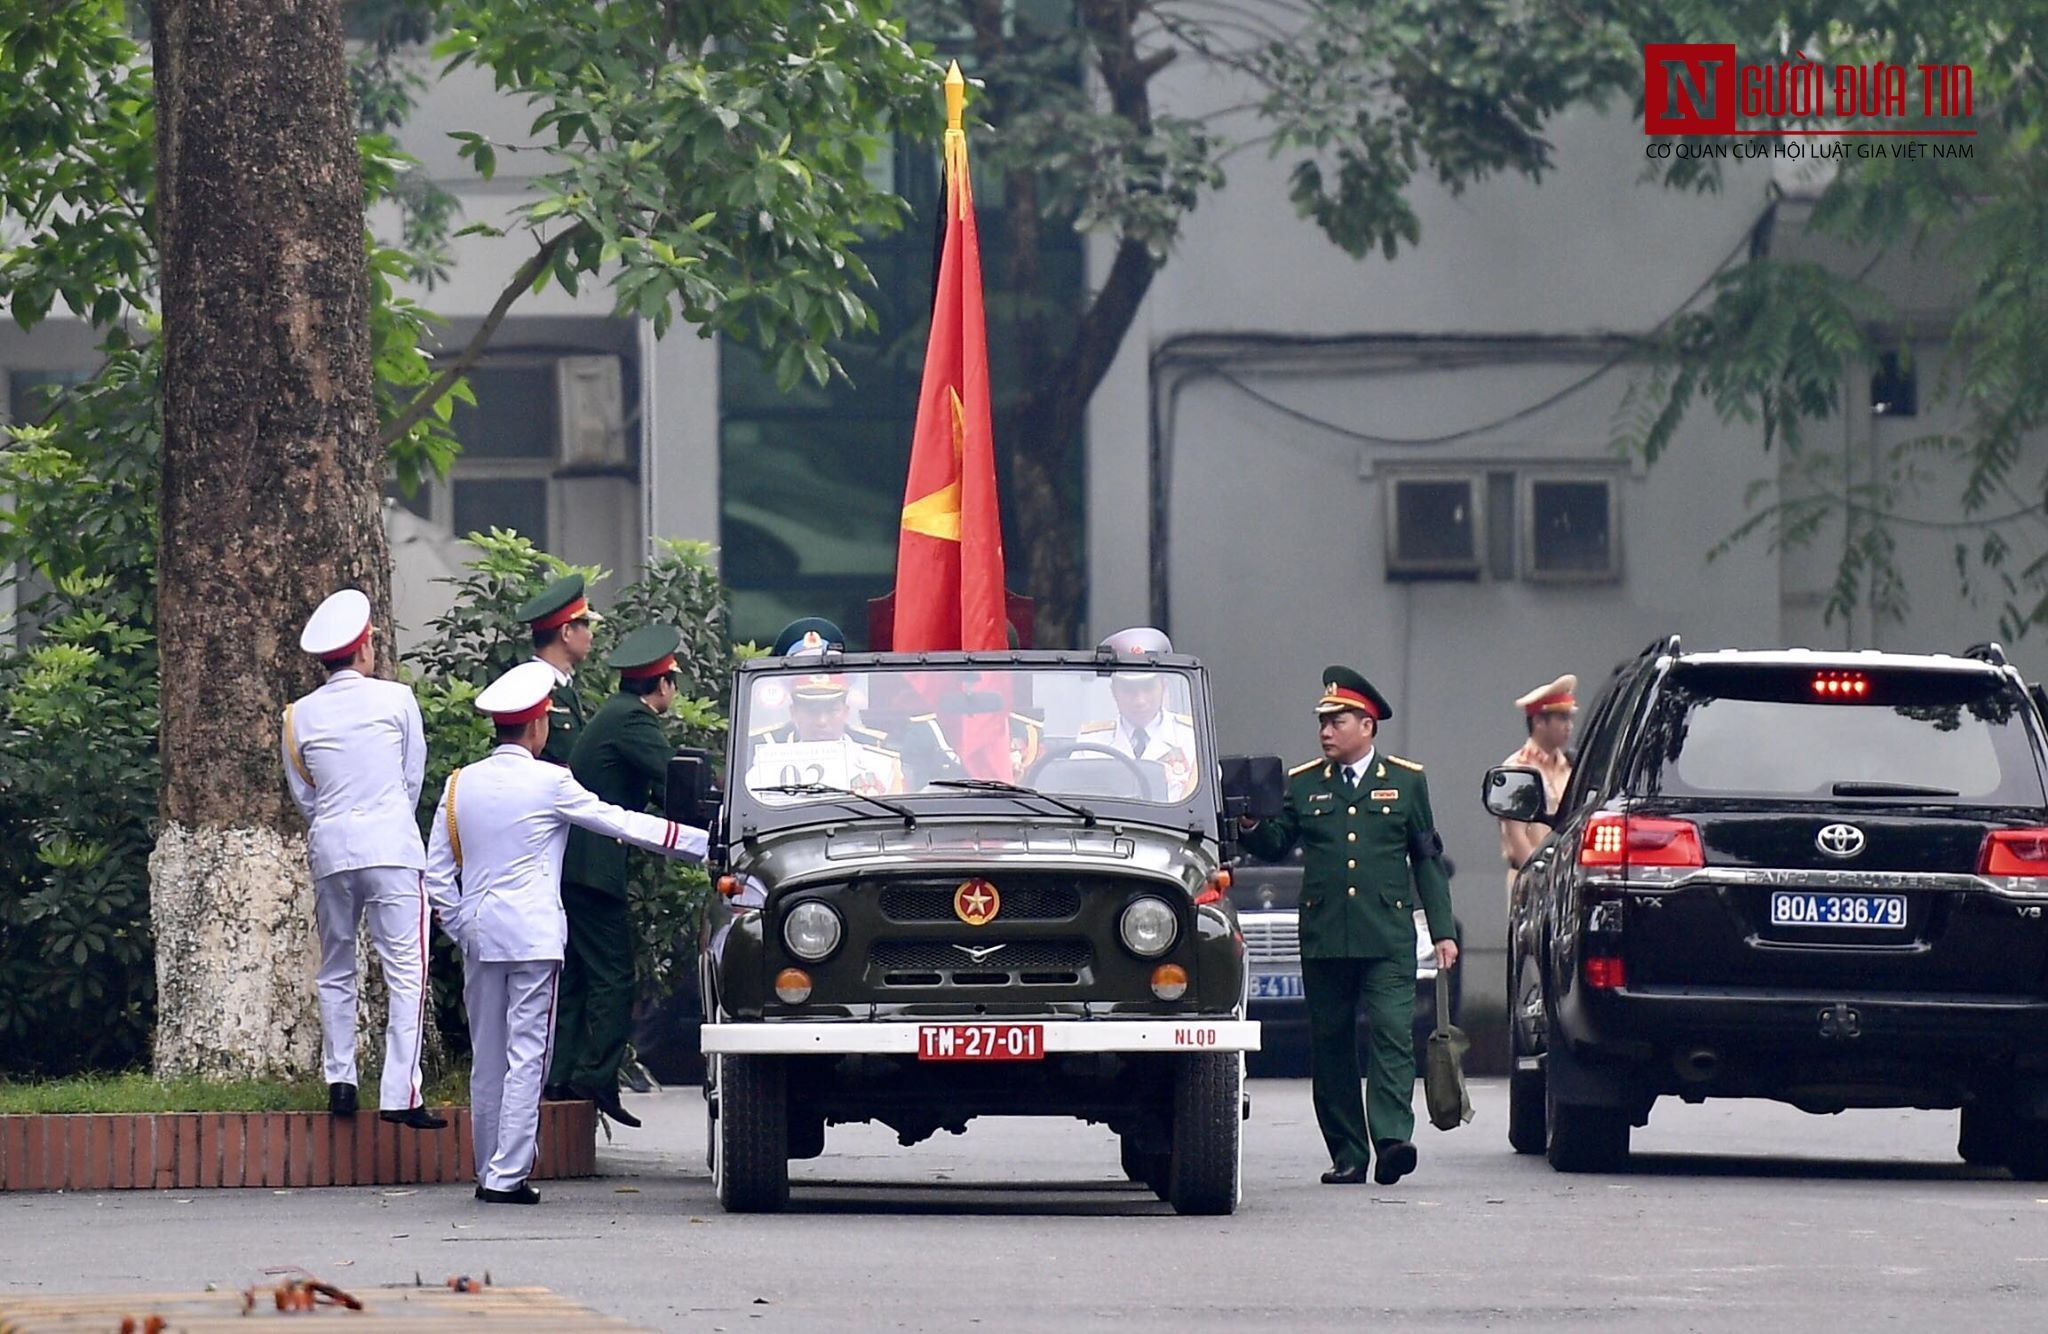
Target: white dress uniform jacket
{"x":355,"y":757}
{"x":512,"y":816}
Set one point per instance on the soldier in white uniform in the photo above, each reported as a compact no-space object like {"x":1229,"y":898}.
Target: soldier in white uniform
{"x":1144,"y":729}
{"x":494,"y":873}
{"x":355,"y":756}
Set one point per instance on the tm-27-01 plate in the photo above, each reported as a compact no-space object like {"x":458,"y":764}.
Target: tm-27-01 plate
{"x":1800,"y":908}
{"x":980,"y":1042}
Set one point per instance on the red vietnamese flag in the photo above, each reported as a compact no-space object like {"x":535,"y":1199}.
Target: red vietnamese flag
{"x":949,"y":551}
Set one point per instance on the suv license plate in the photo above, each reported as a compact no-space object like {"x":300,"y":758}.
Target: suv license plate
{"x":981,"y":1042}
{"x":1884,"y":911}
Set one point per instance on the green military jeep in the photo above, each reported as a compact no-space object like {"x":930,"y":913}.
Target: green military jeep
{"x":960,"y":885}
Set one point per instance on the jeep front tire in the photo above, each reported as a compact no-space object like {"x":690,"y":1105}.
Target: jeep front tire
{"x":752,"y":1168}
{"x":1208,"y":1111}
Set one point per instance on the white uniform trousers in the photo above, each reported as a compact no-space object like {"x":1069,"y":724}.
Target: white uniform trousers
{"x":394,"y":899}
{"x":511,"y":1038}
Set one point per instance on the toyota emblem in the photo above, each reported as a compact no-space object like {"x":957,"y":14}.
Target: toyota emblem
{"x":1839,"y":840}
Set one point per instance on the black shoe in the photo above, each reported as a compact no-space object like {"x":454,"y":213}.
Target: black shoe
{"x":607,"y":1101}
{"x":479,"y":1190}
{"x":558,"y":1093}
{"x":341,"y":1099}
{"x":519,"y":1194}
{"x":1344,"y":1176}
{"x":1396,"y":1159}
{"x":419,"y":1118}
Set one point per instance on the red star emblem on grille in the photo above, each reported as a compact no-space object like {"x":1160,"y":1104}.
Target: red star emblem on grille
{"x":976,"y":902}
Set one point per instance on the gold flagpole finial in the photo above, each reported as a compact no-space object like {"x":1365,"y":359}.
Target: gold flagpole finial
{"x":956,"y":96}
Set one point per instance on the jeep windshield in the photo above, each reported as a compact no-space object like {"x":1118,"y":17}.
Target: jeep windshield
{"x":1824,"y":733}
{"x":1075,"y":732}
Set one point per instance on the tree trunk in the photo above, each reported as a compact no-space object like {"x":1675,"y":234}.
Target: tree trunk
{"x":271,"y":484}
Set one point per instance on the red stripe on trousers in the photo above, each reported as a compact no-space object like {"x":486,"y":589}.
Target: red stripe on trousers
{"x":547,"y":1058}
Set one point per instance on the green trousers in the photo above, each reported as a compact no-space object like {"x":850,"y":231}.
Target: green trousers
{"x":594,"y":1009}
{"x":1352,"y":1123}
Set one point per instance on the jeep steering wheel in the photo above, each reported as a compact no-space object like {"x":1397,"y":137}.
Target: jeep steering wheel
{"x":1057,"y":750}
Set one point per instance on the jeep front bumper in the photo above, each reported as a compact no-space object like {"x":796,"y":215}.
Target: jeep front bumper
{"x":900,"y":1037}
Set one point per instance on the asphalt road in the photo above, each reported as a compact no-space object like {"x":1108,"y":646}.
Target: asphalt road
{"x":1735,"y":1216}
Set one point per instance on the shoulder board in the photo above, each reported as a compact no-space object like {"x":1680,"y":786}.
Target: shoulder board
{"x":923,"y":717}
{"x":1304,"y":768}
{"x":868,"y":732}
{"x":1405,"y":764}
{"x":1087,"y":728}
{"x":1184,"y":719}
{"x":1026,"y":719}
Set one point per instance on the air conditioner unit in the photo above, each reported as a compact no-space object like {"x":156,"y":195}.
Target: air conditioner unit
{"x":593,"y":430}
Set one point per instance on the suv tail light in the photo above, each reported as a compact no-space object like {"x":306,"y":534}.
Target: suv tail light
{"x":2014,"y":852}
{"x":1640,"y":840}
{"x":1606,"y":974}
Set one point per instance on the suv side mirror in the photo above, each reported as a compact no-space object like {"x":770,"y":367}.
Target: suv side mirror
{"x":1515,"y":794}
{"x":1254,"y":787}
{"x":688,"y":797}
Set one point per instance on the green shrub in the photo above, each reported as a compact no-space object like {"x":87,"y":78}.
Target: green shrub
{"x":78,"y":763}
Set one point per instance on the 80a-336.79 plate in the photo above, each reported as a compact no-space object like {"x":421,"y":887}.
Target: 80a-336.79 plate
{"x":1801,"y":908}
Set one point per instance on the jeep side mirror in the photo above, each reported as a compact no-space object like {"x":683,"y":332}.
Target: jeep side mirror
{"x":1254,"y":787}
{"x":1515,"y":794}
{"x":688,"y":797}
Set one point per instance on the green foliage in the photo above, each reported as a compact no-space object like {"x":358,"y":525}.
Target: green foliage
{"x":711,"y":159}
{"x":78,"y":763}
{"x":1779,"y":344}
{"x":77,"y":176}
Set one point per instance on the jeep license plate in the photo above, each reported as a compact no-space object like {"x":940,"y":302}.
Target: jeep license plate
{"x":981,"y":1042}
{"x":1872,"y":910}
{"x":1277,"y":986}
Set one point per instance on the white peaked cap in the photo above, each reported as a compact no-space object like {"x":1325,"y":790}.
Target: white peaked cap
{"x":520,"y":695}
{"x":1139,"y":641}
{"x":337,"y":625}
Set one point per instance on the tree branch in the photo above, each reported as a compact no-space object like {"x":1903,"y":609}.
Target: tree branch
{"x":521,"y":282}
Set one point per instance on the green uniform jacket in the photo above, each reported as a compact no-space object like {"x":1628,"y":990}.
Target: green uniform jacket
{"x":1358,"y":896}
{"x":565,"y":724}
{"x":622,"y":757}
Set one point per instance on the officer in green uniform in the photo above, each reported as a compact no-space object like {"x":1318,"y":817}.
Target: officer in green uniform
{"x":622,"y":757}
{"x":562,"y":622}
{"x":1369,"y":850}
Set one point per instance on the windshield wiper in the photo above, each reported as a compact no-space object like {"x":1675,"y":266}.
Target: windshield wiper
{"x":909,"y":816}
{"x":1017,"y":789}
{"x":1892,"y":790}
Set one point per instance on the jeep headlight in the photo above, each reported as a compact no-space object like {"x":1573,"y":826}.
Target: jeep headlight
{"x":1148,"y":927}
{"x":812,"y":930}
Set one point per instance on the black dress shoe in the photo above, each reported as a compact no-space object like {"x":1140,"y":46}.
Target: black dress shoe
{"x":558,"y":1093}
{"x":1344,"y":1176}
{"x":519,"y":1194}
{"x":341,"y":1099}
{"x":419,"y":1118}
{"x":1395,"y":1159}
{"x":607,"y":1101}
{"x":479,"y":1190}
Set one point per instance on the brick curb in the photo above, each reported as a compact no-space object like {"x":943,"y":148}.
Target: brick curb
{"x":187,"y":1150}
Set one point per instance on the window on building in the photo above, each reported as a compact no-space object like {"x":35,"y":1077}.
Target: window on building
{"x":1894,"y":388}
{"x":537,"y":418}
{"x":1570,"y":528}
{"x":1433,"y":526}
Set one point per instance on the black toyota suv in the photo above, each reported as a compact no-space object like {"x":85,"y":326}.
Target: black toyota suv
{"x":1808,"y":876}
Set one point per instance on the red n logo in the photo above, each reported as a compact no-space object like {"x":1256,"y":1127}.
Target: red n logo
{"x":1688,"y":88}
